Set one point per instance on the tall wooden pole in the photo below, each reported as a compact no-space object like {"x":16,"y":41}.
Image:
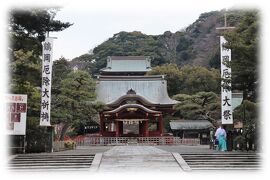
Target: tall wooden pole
{"x":228,"y":127}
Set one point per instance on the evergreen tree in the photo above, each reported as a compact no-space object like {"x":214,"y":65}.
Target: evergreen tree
{"x":75,"y":104}
{"x":202,"y":105}
{"x":188,"y":79}
{"x":172,"y":75}
{"x":244,"y":43}
{"x":27,"y":29}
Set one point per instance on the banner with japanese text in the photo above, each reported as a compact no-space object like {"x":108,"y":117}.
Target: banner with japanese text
{"x":226,"y":92}
{"x":16,"y":109}
{"x":46,"y":82}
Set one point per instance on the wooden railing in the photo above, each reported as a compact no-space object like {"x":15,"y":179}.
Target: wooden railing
{"x":90,"y":141}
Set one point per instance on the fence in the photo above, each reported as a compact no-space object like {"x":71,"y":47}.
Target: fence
{"x":91,"y":141}
{"x":58,"y":146}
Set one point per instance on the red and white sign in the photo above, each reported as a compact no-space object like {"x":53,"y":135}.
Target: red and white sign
{"x":16,"y":109}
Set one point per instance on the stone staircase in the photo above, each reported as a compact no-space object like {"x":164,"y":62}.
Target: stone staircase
{"x":223,"y":161}
{"x":50,"y":162}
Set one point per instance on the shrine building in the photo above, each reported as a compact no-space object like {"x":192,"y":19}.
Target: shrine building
{"x":136,"y":102}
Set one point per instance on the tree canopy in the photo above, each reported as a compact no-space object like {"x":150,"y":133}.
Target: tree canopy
{"x":244,"y":42}
{"x":27,"y":29}
{"x":188,"y":79}
{"x":75,"y":104}
{"x":202,"y":105}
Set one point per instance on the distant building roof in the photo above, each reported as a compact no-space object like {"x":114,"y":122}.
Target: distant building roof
{"x":152,"y":88}
{"x":190,"y":124}
{"x":237,"y":99}
{"x":127,"y":64}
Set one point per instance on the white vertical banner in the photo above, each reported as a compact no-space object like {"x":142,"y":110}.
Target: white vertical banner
{"x":226,"y":93}
{"x":46,"y":82}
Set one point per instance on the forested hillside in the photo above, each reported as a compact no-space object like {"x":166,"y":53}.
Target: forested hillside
{"x":197,"y":44}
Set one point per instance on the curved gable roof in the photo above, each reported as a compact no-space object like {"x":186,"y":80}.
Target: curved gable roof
{"x":132,"y":106}
{"x":152,"y":88}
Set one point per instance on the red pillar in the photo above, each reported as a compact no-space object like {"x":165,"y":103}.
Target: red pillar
{"x":141,"y":130}
{"x":145,"y":128}
{"x":101,"y":124}
{"x":117,"y":129}
{"x":160,"y":125}
{"x":120,"y":128}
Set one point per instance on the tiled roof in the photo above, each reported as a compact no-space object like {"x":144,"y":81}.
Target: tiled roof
{"x":128,"y":57}
{"x":190,"y":124}
{"x":152,"y":88}
{"x":127,"y":64}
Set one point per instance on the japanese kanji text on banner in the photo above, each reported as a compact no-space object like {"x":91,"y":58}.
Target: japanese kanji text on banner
{"x":46,"y":82}
{"x":226,"y":93}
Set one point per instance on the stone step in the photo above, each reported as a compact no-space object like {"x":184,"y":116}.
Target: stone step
{"x":217,"y":157}
{"x":226,"y":168}
{"x":222,"y":161}
{"x":51,"y":167}
{"x":220,"y":155}
{"x":44,"y":159}
{"x":54,"y":156}
{"x":223,"y":165}
{"x":51,"y":162}
{"x":236,"y":163}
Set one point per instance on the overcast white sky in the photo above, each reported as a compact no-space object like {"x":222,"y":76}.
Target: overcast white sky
{"x":97,"y":21}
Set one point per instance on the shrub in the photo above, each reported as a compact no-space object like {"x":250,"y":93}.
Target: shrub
{"x":70,"y":144}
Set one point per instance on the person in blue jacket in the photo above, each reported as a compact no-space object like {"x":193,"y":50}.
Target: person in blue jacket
{"x":221,"y":135}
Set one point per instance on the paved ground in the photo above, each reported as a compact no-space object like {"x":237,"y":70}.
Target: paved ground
{"x":138,"y":159}
{"x":196,"y":149}
{"x":187,"y":149}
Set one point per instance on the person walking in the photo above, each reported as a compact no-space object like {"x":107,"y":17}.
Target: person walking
{"x":221,"y":136}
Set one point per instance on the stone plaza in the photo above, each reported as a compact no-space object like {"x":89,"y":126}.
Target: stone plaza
{"x":133,"y":158}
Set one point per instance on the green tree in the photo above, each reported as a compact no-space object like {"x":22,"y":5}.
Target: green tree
{"x":60,"y":70}
{"x":202,"y":105}
{"x":188,"y":79}
{"x":172,"y":75}
{"x":131,"y":44}
{"x":197,"y":78}
{"x":244,"y":42}
{"x":75,"y":102}
{"x":27,"y":29}
{"x":85,"y":62}
{"x":247,"y":113}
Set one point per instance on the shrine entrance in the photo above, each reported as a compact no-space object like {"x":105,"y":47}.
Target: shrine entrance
{"x":131,"y":128}
{"x":131,"y":120}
